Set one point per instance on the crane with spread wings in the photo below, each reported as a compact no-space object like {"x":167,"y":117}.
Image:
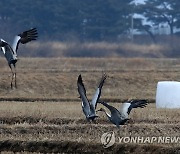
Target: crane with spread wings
{"x":10,"y":52}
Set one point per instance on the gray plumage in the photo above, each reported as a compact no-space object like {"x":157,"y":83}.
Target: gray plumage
{"x":119,"y":117}
{"x":89,"y":108}
{"x":10,"y":53}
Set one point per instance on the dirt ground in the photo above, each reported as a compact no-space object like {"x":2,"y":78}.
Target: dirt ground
{"x":44,"y":113}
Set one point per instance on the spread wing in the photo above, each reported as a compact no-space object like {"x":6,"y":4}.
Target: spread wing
{"x":24,"y":38}
{"x":129,"y":105}
{"x":82,"y":93}
{"x":3,"y":43}
{"x":6,"y":49}
{"x":112,"y":109}
{"x":97,"y":94}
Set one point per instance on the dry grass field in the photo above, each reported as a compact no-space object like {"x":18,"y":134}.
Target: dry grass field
{"x":43,"y":115}
{"x":102,"y":48}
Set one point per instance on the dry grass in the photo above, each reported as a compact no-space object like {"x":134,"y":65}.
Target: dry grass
{"x":57,"y":123}
{"x":57,"y":77}
{"x":63,"y":121}
{"x":95,"y":49}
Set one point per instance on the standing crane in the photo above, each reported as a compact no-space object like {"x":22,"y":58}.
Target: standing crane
{"x":10,"y":53}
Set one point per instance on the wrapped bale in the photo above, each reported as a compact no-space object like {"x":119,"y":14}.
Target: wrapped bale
{"x":168,"y":94}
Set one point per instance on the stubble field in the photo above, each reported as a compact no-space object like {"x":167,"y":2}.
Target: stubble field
{"x":44,"y":113}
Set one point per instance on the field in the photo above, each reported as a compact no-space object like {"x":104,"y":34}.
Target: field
{"x":44,"y":113}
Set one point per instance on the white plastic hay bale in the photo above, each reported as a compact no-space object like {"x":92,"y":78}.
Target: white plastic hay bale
{"x":168,"y":94}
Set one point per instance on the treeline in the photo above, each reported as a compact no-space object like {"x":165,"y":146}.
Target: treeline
{"x":85,"y":20}
{"x":62,"y":19}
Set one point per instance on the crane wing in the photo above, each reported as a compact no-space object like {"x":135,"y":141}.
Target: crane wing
{"x":97,"y":94}
{"x":82,"y":93}
{"x":129,"y":105}
{"x":112,"y":109}
{"x":7,"y":50}
{"x":24,"y":38}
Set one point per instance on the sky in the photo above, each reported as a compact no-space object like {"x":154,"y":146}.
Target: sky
{"x":139,"y":1}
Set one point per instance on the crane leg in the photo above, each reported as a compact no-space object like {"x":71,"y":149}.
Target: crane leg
{"x":12,"y":76}
{"x":15,"y":75}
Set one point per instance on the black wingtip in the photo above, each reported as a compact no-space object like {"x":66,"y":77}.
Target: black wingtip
{"x":79,"y":79}
{"x":104,"y":76}
{"x":141,"y":103}
{"x":28,"y":35}
{"x":137,"y":100}
{"x":144,"y":102}
{"x":34,"y":29}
